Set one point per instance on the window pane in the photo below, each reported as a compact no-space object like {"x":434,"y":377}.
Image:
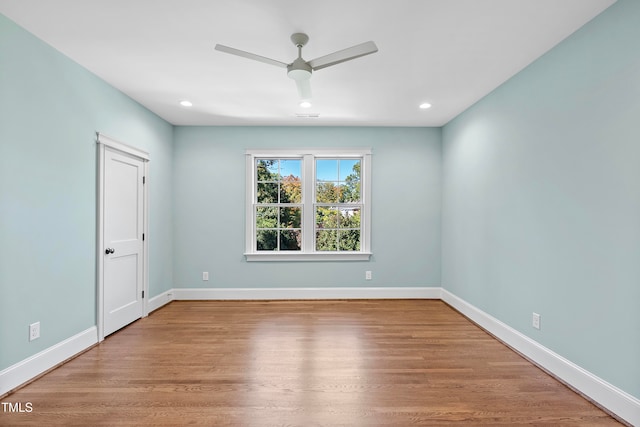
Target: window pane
{"x":290,"y":240}
{"x":326,"y":240}
{"x":349,"y":218}
{"x":327,"y":192}
{"x":266,"y":217}
{"x":267,"y":192}
{"x":350,"y":192}
{"x":267,"y":169}
{"x":291,"y":167}
{"x":267,"y":240}
{"x":326,"y":217}
{"x":350,"y":177}
{"x":291,"y":190}
{"x":327,"y":170}
{"x":349,"y":167}
{"x":349,"y":240}
{"x":290,"y":217}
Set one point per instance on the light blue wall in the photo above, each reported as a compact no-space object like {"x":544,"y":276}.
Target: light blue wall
{"x":209,"y":169}
{"x":50,"y":109}
{"x":541,"y":206}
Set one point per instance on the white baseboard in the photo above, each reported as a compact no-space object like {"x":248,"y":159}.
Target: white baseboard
{"x":29,"y":368}
{"x":160,"y":300}
{"x":305,"y":293}
{"x":607,"y":395}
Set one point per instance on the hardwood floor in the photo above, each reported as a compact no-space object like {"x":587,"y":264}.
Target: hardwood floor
{"x":301,"y":363}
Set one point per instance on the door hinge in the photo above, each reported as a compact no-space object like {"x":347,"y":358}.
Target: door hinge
{"x":143,"y":237}
{"x":144,"y":179}
{"x":142,"y":294}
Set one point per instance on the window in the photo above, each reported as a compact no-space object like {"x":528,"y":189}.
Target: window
{"x":278,"y":208}
{"x":338,"y":208}
{"x":308,"y":205}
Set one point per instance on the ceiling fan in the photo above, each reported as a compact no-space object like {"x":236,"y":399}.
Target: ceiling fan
{"x":300,"y":70}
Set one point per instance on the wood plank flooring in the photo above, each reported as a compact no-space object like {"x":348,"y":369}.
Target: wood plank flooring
{"x":301,"y":363}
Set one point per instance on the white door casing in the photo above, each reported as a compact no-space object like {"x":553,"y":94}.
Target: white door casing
{"x":122,"y":250}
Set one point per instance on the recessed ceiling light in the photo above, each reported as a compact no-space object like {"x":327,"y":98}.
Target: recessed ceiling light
{"x":305,"y":104}
{"x":186,"y":103}
{"x":425,"y":105}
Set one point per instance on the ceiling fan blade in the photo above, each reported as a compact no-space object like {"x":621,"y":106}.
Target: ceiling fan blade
{"x":248,"y":55}
{"x":344,"y":55}
{"x":304,"y":89}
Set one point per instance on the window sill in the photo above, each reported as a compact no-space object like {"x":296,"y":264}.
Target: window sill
{"x":315,"y":256}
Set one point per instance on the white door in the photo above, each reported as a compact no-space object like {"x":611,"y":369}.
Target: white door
{"x":123,"y":264}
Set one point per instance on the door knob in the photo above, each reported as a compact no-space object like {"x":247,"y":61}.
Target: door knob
{"x":109,"y":251}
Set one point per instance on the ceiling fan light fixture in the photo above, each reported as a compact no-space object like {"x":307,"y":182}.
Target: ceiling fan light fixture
{"x":299,"y":74}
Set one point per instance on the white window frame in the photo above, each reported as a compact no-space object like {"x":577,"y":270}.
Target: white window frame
{"x":308,"y":252}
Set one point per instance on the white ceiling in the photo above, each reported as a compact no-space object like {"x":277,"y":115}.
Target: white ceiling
{"x":447,"y":52}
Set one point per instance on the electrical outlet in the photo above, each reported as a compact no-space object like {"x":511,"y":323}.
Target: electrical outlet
{"x":535,"y":322}
{"x":205,"y":275}
{"x":34,"y":331}
{"x":367,"y":275}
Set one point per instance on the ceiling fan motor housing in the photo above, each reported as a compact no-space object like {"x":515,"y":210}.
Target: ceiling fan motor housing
{"x":299,"y":70}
